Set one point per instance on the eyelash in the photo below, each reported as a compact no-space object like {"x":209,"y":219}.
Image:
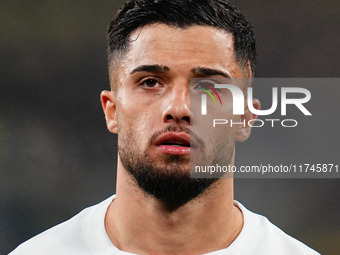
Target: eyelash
{"x":143,"y":83}
{"x":160,"y":85}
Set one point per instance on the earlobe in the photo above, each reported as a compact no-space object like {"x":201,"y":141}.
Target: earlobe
{"x":243,"y":132}
{"x":109,"y":107}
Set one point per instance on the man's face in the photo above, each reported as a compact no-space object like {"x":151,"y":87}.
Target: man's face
{"x":151,"y":102}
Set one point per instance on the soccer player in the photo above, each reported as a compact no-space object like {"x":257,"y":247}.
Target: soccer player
{"x":155,"y":47}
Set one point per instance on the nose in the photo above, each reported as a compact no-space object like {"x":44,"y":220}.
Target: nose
{"x":177,"y":107}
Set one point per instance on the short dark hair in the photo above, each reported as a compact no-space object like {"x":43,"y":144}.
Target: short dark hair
{"x":182,"y":14}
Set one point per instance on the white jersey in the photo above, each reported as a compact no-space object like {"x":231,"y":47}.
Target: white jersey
{"x":85,"y":234}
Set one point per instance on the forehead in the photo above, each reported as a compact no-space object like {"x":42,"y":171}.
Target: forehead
{"x":180,"y":48}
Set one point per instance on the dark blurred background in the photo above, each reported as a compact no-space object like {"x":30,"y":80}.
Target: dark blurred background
{"x":56,"y":156}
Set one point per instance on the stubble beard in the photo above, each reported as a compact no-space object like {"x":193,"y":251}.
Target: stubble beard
{"x":170,"y":184}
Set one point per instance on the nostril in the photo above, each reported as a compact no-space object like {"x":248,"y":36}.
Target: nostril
{"x":186,"y":118}
{"x":169,"y":117}
{"x":176,"y":112}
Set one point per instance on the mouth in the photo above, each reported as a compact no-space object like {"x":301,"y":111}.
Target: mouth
{"x":174,"y":143}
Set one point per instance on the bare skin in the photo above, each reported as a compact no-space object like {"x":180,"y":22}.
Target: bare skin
{"x":136,"y":222}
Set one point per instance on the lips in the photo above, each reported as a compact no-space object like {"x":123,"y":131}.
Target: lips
{"x":174,"y":143}
{"x":179,"y":139}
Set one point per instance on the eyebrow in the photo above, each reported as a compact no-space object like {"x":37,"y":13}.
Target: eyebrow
{"x":151,"y":69}
{"x":163,"y":69}
{"x":209,"y":72}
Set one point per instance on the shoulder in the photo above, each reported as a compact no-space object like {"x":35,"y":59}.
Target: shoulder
{"x":74,"y":236}
{"x":268,"y":238}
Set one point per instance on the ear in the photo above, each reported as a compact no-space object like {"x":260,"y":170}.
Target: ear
{"x":250,"y":72}
{"x":243,"y":132}
{"x":109,"y":107}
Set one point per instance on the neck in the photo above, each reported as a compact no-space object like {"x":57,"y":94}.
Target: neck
{"x":139,"y":223}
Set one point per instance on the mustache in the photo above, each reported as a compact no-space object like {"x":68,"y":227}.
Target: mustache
{"x":183,"y":129}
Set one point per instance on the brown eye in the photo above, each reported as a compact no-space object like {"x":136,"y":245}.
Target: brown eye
{"x":150,"y":83}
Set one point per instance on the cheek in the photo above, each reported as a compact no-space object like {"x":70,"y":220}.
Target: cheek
{"x":133,"y":122}
{"x":237,"y":123}
{"x":203,"y":125}
{"x":223,"y":136}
